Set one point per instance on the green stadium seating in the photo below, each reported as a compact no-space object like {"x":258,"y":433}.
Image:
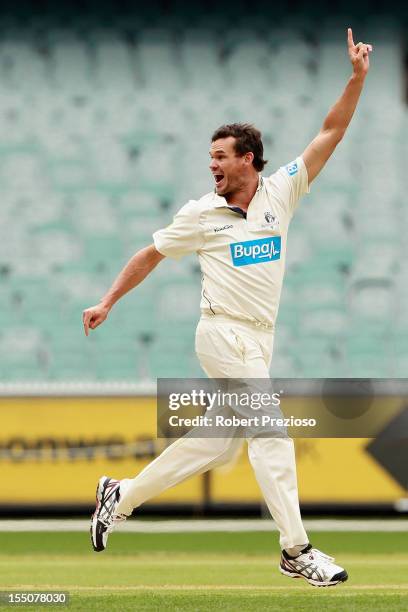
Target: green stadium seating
{"x":104,"y":135}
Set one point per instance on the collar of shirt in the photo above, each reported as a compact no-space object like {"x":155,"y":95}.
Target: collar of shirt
{"x":221,"y":202}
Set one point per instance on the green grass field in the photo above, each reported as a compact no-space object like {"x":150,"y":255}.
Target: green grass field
{"x":202,"y":571}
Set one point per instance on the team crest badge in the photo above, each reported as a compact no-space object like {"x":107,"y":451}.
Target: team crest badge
{"x":269,"y":218}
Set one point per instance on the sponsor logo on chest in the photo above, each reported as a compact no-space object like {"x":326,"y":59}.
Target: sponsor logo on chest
{"x":256,"y":251}
{"x":223,"y":228}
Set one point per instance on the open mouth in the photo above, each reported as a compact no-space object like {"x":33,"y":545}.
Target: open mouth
{"x":218,"y":179}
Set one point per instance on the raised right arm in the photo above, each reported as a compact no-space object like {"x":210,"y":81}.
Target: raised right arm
{"x":137,"y":268}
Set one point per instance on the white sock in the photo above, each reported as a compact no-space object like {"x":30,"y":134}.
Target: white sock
{"x":123,"y":487}
{"x":295,"y":550}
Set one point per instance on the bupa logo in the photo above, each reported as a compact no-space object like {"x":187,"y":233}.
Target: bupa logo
{"x":256,"y":251}
{"x":292,"y":168}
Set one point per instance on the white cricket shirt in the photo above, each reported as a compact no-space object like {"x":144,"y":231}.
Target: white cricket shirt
{"x":242,"y":259}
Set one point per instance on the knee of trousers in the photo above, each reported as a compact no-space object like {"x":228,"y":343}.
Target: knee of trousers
{"x":229,"y":453}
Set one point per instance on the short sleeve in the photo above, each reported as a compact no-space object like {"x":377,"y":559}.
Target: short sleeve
{"x":183,"y":236}
{"x":291,"y":182}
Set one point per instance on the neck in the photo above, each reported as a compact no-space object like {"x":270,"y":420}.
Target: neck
{"x":242,"y":197}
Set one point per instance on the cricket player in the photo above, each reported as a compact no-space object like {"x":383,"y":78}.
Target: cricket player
{"x":239,"y":232}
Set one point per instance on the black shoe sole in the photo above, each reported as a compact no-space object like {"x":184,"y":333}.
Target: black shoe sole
{"x":97,"y":545}
{"x":336,"y":579}
{"x":97,"y":529}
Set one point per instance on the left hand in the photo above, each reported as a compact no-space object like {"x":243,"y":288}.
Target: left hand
{"x":358,"y":55}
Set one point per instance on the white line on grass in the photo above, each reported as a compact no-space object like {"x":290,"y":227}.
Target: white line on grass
{"x":211,"y":587}
{"x":193,"y":526}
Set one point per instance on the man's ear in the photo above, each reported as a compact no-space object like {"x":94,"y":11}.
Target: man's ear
{"x":249,"y":157}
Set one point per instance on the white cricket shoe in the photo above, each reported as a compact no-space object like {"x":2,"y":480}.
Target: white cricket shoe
{"x":314,"y":566}
{"x":104,"y":519}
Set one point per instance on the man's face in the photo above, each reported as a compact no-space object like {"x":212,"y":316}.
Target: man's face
{"x":226,"y":166}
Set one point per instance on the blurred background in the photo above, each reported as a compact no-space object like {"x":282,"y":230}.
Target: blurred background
{"x":106,"y":113}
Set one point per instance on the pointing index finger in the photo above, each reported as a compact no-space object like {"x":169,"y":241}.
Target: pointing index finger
{"x":350,"y":37}
{"x":86,"y":319}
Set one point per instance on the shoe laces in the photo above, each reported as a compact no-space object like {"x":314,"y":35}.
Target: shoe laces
{"x":116,"y":518}
{"x":322,"y":555}
{"x":321,"y":561}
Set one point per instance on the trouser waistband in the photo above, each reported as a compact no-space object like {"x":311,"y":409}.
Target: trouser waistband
{"x":260,"y":325}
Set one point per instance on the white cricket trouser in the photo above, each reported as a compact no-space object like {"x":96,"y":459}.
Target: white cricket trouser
{"x":228,"y":348}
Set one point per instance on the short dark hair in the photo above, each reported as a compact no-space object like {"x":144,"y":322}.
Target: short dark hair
{"x":247,"y":140}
